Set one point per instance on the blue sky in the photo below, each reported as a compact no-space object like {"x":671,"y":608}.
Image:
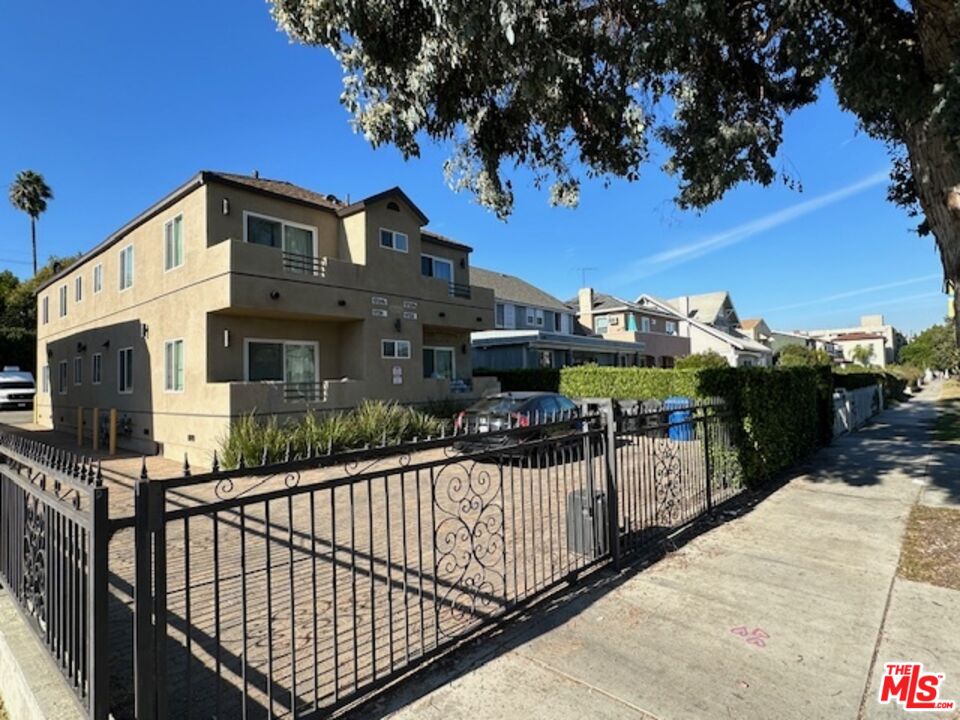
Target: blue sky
{"x":116,"y":103}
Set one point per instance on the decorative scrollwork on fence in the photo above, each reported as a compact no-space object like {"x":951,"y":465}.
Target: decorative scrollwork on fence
{"x":358,"y":465}
{"x":667,"y":476}
{"x":35,"y":561}
{"x":226,"y":488}
{"x":469,"y":538}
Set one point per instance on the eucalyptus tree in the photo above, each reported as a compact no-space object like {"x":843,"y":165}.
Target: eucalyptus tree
{"x":29,"y":193}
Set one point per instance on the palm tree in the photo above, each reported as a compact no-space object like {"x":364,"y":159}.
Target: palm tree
{"x":29,"y":193}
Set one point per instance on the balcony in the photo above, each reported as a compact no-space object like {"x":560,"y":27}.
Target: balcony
{"x":459,"y":290}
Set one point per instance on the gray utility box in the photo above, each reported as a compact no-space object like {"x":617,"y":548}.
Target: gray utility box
{"x":587,"y":523}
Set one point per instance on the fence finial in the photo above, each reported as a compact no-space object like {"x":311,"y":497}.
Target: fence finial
{"x":143,"y":468}
{"x":186,"y":465}
{"x":99,"y":480}
{"x":216,"y":462}
{"x":242,"y":462}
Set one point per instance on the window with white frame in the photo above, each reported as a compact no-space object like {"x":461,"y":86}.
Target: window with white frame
{"x":173,"y":243}
{"x":645,"y":324}
{"x":46,"y":379}
{"x":395,"y":349}
{"x":63,"y":301}
{"x":437,"y":267}
{"x":126,"y":267}
{"x":125,"y":370}
{"x":393,"y":240}
{"x":45,"y":309}
{"x":62,"y":378}
{"x":530,"y":315}
{"x":97,"y":278}
{"x":96,"y":368}
{"x":173,"y":366}
{"x":291,"y":361}
{"x":298,"y":241}
{"x":670,"y":327}
{"x":78,"y":288}
{"x":78,"y":370}
{"x":438,"y":363}
{"x":601,"y":323}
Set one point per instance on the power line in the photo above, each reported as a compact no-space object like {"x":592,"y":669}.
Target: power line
{"x":583,"y":274}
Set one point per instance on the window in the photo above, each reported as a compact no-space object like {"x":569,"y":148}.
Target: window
{"x":431,"y":266}
{"x":125,"y":370}
{"x":645,"y":324}
{"x":296,"y":240}
{"x":96,"y":369}
{"x":670,"y":327}
{"x":62,"y":378}
{"x":601,"y":323}
{"x":393,"y":240}
{"x":126,"y":267}
{"x":63,"y":301}
{"x":531,"y":316}
{"x":78,"y":370}
{"x":501,"y":311}
{"x":398,"y":349}
{"x":286,"y":361}
{"x":558,"y":322}
{"x":173,"y":366}
{"x":45,"y":306}
{"x":46,"y":378}
{"x":438,"y":363}
{"x":78,"y":288}
{"x":173,"y":243}
{"x":97,"y":278}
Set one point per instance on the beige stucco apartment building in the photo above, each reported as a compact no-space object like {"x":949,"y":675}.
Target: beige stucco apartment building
{"x":236,"y":293}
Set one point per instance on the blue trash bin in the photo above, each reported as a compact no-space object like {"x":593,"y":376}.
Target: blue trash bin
{"x":681,"y":428}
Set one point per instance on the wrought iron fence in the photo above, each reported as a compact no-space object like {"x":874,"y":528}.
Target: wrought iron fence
{"x":294,"y":589}
{"x":53,"y":558}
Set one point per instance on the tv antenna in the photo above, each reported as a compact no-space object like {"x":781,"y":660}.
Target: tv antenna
{"x":583,"y":274}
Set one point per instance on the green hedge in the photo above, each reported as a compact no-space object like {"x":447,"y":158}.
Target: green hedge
{"x":893,"y":386}
{"x":783,"y":413}
{"x":533,"y":379}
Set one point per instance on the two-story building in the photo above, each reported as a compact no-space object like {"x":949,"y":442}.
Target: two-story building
{"x":534,"y":329}
{"x":236,"y":293}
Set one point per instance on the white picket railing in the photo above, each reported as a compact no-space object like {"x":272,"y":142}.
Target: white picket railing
{"x":852,"y":408}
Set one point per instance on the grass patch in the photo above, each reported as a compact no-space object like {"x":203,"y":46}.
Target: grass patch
{"x":931,"y":547}
{"x":948,"y":420}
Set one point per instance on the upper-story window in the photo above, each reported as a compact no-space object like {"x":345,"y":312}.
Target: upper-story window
{"x":393,"y":240}
{"x":601,"y":323}
{"x":645,"y":324}
{"x":297,"y":241}
{"x":670,"y":327}
{"x":173,"y":243}
{"x":78,"y":288}
{"x":437,"y":267}
{"x":396,"y":349}
{"x":501,"y":315}
{"x":97,"y":278}
{"x":126,"y":267}
{"x":45,"y":309}
{"x":63,"y":301}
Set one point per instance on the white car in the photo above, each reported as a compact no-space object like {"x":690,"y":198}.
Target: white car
{"x":16,"y":388}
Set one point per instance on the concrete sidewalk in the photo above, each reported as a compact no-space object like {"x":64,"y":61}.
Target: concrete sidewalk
{"x":786,"y":612}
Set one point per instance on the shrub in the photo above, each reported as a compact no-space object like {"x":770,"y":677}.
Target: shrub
{"x":800,"y":356}
{"x":702,"y":361}
{"x":782,"y":413}
{"x":371,"y":423}
{"x":531,"y":379}
{"x":856,"y":378}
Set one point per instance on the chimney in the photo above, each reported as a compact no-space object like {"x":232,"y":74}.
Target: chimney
{"x":585,"y":299}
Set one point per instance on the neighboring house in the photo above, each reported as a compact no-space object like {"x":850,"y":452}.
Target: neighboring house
{"x":756,"y":329}
{"x":738,"y":350}
{"x":874,"y":343}
{"x":657,"y":331}
{"x":893,"y":339}
{"x":235,"y":293}
{"x":535,"y":329}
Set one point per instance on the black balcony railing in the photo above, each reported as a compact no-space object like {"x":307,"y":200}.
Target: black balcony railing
{"x":303,"y":391}
{"x":459,"y":290}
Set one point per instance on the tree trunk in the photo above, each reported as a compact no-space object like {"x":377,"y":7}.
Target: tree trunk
{"x":33,"y":237}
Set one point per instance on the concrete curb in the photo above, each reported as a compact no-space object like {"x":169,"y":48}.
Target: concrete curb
{"x":30,"y":683}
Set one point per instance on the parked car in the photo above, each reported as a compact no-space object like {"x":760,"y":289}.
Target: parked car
{"x":17,"y":388}
{"x":529,"y":416}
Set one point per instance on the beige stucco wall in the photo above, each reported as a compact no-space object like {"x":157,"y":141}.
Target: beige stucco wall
{"x":228,"y":285}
